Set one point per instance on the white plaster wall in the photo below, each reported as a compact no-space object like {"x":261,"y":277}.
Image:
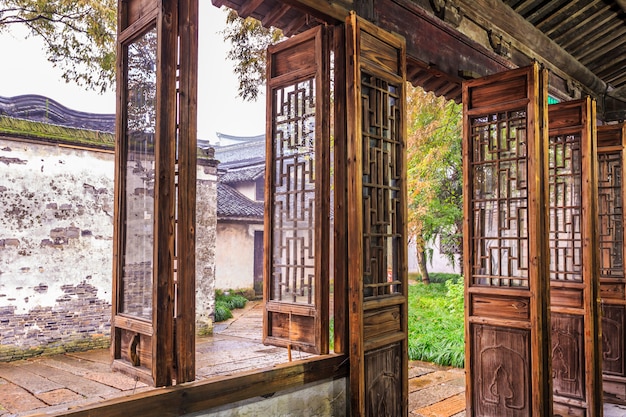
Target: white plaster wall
{"x":234,"y":261}
{"x":246,"y":188}
{"x":439,"y":262}
{"x":57,"y":222}
{"x":319,"y":399}
{"x":56,"y":243}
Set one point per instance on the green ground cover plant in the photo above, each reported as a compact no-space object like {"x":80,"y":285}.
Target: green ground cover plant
{"x":436,"y":320}
{"x":225,"y":302}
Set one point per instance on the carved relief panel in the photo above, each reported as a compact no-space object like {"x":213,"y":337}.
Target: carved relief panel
{"x":384,"y":384}
{"x":501,"y":367}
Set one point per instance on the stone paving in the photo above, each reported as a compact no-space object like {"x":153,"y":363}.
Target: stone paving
{"x":53,"y":384}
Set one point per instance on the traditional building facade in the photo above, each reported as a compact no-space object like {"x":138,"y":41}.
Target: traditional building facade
{"x":240,"y":208}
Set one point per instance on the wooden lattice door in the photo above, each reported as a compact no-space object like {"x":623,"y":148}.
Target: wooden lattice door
{"x":574,"y":287}
{"x":376,"y":176}
{"x":297,"y":193}
{"x":506,"y":287}
{"x":611,"y":224}
{"x":153,"y":303}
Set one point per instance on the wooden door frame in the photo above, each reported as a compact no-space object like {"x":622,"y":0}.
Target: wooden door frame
{"x":577,"y":299}
{"x":528,"y":311}
{"x":612,"y":140}
{"x":173,"y":244}
{"x":377,"y":325}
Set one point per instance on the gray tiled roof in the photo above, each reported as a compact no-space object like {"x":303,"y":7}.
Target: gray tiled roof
{"x":236,"y":175}
{"x":42,"y":109}
{"x":231,"y":203}
{"x":241,"y":154}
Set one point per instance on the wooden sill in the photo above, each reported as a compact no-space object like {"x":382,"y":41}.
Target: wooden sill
{"x":202,"y":395}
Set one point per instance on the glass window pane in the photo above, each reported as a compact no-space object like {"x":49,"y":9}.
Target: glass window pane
{"x":136,"y":285}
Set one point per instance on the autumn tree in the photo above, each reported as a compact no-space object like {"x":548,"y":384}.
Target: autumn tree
{"x":435,"y":178}
{"x":79,"y":36}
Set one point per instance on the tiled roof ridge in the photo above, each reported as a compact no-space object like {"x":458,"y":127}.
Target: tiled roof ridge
{"x":43,"y":109}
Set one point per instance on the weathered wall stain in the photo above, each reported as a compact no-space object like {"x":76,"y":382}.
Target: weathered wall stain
{"x":56,"y":236}
{"x":56,"y":247}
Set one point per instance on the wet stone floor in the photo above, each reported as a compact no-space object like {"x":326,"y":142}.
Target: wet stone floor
{"x":53,"y":384}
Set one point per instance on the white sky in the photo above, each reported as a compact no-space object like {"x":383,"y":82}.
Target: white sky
{"x":25,"y":70}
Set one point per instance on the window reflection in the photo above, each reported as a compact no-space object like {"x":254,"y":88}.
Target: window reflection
{"x":140,"y":93}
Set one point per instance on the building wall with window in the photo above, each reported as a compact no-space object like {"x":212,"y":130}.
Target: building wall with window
{"x":240,"y":210}
{"x":239,"y":252}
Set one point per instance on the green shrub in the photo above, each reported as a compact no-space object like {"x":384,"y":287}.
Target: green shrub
{"x":237,"y":301}
{"x":435,"y":277}
{"x":225,"y":302}
{"x":233,"y":301}
{"x":222,"y":312}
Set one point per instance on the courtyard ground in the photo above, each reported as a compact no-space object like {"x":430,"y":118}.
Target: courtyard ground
{"x":53,"y":384}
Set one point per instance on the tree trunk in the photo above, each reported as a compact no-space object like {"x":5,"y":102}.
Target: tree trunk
{"x":422,"y":265}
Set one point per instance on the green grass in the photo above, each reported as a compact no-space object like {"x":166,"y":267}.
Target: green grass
{"x":436,"y":332}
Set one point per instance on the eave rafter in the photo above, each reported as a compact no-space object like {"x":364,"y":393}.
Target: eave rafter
{"x":449,"y":39}
{"x":530,"y":43}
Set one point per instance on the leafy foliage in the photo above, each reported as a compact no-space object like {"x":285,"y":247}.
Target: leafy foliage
{"x":249,"y":41}
{"x":222,"y":312}
{"x":435,"y":179}
{"x":233,"y":301}
{"x":225,"y":302}
{"x":79,"y":36}
{"x":436,"y":323}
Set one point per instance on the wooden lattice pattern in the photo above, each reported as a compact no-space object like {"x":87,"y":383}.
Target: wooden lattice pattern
{"x":382,"y":175}
{"x":293,"y":262}
{"x":565,"y":237}
{"x":499,"y":200}
{"x":610,"y":215}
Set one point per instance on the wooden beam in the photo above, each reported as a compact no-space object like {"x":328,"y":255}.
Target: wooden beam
{"x":526,"y":38}
{"x":436,"y":44}
{"x":273,"y":16}
{"x":322,"y":9}
{"x":249,"y":7}
{"x":187,"y":151}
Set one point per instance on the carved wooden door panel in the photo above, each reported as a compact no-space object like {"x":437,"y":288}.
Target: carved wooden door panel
{"x":507,"y":336}
{"x":611,"y":223}
{"x":574,"y":287}
{"x":153,"y":313}
{"x":297,"y":193}
{"x":376,"y":176}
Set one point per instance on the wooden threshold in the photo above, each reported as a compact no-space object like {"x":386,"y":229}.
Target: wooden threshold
{"x":203,"y":395}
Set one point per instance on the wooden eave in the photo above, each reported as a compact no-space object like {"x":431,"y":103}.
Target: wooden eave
{"x":581,"y":42}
